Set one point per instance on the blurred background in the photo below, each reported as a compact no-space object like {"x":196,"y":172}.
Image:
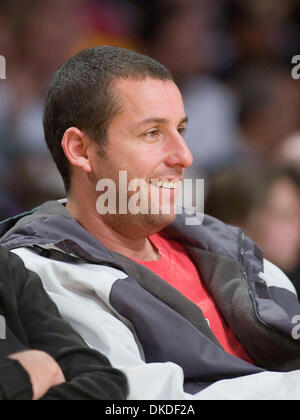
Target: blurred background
{"x":232,"y":61}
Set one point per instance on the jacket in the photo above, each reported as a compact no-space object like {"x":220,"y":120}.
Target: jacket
{"x":146,"y":328}
{"x":30,"y":320}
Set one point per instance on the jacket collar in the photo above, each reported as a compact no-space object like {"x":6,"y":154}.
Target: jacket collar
{"x":51,"y":225}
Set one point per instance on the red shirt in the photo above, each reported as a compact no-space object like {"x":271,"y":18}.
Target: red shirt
{"x":177,"y":269}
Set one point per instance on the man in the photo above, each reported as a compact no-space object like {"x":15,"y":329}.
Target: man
{"x":178,"y":306}
{"x":41,"y":357}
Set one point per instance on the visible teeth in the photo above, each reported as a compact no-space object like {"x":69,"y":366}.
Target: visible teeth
{"x":164,"y":184}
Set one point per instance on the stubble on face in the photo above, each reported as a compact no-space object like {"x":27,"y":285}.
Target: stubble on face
{"x":128,"y":148}
{"x":140,"y":225}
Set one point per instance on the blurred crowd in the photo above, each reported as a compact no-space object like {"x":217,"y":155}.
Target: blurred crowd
{"x":232,"y":61}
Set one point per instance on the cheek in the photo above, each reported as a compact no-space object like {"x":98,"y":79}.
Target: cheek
{"x":139,"y":159}
{"x":142,"y":165}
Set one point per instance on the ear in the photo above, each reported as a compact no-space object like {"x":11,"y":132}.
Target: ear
{"x":75,"y":145}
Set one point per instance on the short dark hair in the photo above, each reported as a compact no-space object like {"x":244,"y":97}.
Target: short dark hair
{"x":81,"y":95}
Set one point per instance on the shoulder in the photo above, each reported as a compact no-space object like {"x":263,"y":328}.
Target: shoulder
{"x":274,"y":276}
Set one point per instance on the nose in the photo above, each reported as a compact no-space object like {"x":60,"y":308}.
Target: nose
{"x":179,"y":153}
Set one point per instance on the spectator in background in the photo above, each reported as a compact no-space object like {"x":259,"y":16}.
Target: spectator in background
{"x":269,"y":112}
{"x":110,"y":22}
{"x":36,"y":38}
{"x":263,"y":32}
{"x":289,"y":152}
{"x":266,"y":205}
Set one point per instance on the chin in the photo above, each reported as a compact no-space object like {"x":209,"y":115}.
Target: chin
{"x":155,"y":223}
{"x":140,"y":225}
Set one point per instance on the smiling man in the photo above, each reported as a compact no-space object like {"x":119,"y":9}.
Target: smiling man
{"x":179,"y":308}
{"x":145,"y":140}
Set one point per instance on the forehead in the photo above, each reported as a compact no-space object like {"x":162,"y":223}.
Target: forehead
{"x":150,"y":97}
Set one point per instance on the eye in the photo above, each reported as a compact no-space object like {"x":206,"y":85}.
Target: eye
{"x":181,"y":130}
{"x":152,"y":135}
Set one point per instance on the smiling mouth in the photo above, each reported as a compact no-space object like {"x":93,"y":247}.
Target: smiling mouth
{"x":170,"y":185}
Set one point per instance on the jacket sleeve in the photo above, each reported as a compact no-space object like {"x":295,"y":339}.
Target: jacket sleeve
{"x":14,"y":381}
{"x":89,"y":374}
{"x":89,"y":377}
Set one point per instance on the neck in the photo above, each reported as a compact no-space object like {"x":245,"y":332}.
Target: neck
{"x":139,"y":248}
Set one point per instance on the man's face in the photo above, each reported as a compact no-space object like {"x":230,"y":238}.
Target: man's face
{"x":145,"y":139}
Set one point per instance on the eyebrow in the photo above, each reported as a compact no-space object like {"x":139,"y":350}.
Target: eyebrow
{"x":160,"y":121}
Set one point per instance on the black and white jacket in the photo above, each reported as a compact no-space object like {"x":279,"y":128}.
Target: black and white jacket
{"x":149,"y":330}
